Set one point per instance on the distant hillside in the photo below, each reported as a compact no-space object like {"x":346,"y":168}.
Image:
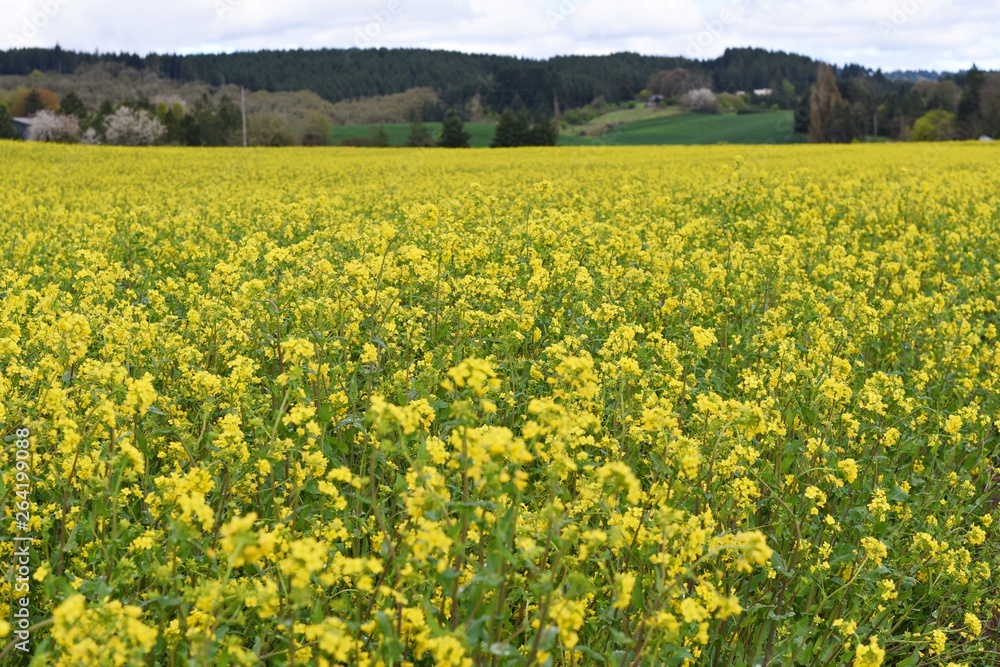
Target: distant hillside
{"x":272,"y":117}
{"x":499,"y":81}
{"x":95,"y":83}
{"x":296,"y":96}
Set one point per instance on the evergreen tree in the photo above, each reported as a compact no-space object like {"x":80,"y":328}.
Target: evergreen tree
{"x":380,"y":138}
{"x":72,"y":105}
{"x":228,"y":120}
{"x":513,"y":130}
{"x":419,"y":136}
{"x":453,"y":134}
{"x":96,"y":121}
{"x":802,"y":112}
{"x":33,"y":103}
{"x":211,"y":125}
{"x":969,"y":114}
{"x":6,"y":124}
{"x":503,"y":137}
{"x":190,"y":131}
{"x":544,"y":133}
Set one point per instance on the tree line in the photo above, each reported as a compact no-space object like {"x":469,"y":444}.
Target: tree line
{"x":210,"y":123}
{"x":859,"y":104}
{"x":832,"y":104}
{"x":497,"y":82}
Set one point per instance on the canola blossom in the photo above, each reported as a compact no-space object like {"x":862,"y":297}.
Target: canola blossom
{"x":637,"y":406}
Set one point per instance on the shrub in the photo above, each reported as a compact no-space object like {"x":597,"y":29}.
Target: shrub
{"x":937,"y":125}
{"x":317,"y":132}
{"x":269,"y":129}
{"x":357,"y":142}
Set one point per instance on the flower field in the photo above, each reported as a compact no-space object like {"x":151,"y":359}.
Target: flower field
{"x":581,"y":406}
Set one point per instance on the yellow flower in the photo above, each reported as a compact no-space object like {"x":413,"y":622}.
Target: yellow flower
{"x":369,"y":354}
{"x":974,"y":625}
{"x":370,"y":420}
{"x":623,"y":596}
{"x":938,"y":642}
{"x":953,"y":425}
{"x":875,"y":550}
{"x":879,"y":505}
{"x":477,"y":374}
{"x":140,"y":395}
{"x":305,"y":557}
{"x":869,"y":656}
{"x":568,"y":615}
{"x":703,"y":338}
{"x":187,"y":492}
{"x":850,"y":469}
{"x":888,"y":589}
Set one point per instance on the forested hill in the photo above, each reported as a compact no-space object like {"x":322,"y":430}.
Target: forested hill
{"x":338,"y":74}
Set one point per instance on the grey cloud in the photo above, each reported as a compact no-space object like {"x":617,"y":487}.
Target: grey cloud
{"x":910,"y":34}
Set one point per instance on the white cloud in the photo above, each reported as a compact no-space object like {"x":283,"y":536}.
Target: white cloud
{"x":903,"y":34}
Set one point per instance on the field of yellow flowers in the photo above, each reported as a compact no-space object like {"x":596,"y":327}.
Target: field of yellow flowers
{"x":652,"y":406}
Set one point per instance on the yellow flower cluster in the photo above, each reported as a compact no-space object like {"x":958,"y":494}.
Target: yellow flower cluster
{"x":107,"y":633}
{"x":403,"y":407}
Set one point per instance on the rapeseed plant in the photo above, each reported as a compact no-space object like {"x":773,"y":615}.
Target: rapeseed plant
{"x":361,"y":408}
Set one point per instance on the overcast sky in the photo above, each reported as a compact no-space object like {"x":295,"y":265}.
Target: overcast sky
{"x":891,"y":34}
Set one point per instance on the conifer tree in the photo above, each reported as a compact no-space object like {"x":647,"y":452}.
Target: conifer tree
{"x":419,"y":136}
{"x":6,"y":123}
{"x":453,"y":134}
{"x":513,"y":130}
{"x":544,"y":133}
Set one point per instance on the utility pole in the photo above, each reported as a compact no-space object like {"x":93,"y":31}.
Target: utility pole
{"x":243,"y":98}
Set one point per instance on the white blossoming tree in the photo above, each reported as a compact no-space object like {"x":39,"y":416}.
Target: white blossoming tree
{"x":49,"y":126}
{"x":701,"y":100}
{"x":132,"y":127}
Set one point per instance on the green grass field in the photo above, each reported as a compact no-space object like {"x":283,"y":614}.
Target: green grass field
{"x":626,"y":116}
{"x":686,"y":129}
{"x":762,"y":128}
